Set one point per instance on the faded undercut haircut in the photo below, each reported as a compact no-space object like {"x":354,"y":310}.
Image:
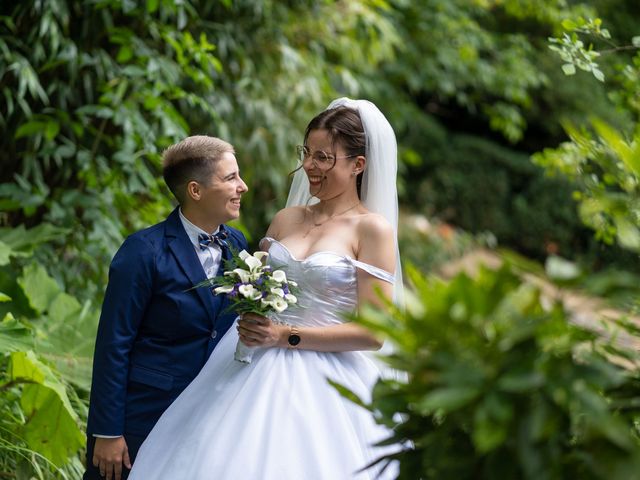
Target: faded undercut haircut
{"x":192,"y":159}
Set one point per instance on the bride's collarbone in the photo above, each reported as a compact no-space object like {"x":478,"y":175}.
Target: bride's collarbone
{"x":301,"y":246}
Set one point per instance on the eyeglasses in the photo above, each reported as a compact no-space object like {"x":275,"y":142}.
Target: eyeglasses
{"x":319,"y":157}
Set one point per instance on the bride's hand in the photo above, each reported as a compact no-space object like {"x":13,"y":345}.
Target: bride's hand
{"x":258,"y":331}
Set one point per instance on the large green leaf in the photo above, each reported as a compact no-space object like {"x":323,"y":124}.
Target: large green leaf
{"x":68,"y":338}
{"x":38,"y":286}
{"x":52,"y":426}
{"x":21,"y":239}
{"x":14,"y":336}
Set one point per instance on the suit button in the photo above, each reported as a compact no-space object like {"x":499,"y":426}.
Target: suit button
{"x":214,"y":334}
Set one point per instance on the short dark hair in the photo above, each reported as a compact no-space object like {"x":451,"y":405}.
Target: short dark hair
{"x":192,"y":159}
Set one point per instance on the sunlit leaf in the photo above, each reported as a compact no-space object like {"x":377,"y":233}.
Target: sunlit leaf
{"x":52,"y":426}
{"x":14,"y":336}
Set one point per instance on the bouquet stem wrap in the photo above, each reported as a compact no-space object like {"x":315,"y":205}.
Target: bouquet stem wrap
{"x":244,"y":353}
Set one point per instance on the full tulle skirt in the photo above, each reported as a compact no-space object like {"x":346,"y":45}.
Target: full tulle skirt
{"x":276,"y":418}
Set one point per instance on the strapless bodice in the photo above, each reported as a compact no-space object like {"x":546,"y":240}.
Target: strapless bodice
{"x":327,"y":282}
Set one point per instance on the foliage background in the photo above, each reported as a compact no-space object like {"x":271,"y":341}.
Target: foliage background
{"x":92,"y":91}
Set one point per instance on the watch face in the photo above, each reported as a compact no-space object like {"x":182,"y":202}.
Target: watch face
{"x":294,"y":339}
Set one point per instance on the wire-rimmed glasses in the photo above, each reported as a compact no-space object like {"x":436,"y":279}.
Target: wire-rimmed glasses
{"x":320,"y":158}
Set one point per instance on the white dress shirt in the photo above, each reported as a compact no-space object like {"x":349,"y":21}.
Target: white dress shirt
{"x":211,"y":256}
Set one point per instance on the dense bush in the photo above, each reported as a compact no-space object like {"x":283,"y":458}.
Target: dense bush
{"x":480,"y":186}
{"x":502,"y":385}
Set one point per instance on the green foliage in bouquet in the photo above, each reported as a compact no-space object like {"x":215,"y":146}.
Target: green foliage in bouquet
{"x":502,"y":385}
{"x":252,"y":286}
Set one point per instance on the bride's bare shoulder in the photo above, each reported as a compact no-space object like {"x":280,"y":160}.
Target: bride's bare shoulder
{"x":374,"y":225}
{"x":284,"y":219}
{"x":290,"y":214}
{"x":376,"y":242}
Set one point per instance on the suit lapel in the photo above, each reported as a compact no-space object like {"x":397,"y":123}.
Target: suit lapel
{"x":187,"y":259}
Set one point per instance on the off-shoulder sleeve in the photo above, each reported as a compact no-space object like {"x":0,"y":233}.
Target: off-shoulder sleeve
{"x":375,"y":271}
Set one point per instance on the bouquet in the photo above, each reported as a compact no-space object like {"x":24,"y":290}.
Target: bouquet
{"x":253,"y":287}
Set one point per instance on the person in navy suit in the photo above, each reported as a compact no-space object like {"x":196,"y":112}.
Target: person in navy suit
{"x":156,"y":332}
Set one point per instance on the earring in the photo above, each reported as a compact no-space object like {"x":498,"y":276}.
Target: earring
{"x":354,"y":173}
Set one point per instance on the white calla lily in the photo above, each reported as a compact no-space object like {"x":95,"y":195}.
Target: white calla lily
{"x":252,"y":262}
{"x":223,"y":289}
{"x":290,"y":298}
{"x":242,"y":274}
{"x":278,"y":291}
{"x":279,"y":305}
{"x":279,"y":276}
{"x":260,"y":255}
{"x":244,"y":254}
{"x":249,"y":291}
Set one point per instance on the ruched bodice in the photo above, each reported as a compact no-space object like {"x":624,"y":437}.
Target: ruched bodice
{"x":327,"y":281}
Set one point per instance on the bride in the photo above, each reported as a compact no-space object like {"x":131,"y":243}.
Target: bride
{"x":278,"y":417}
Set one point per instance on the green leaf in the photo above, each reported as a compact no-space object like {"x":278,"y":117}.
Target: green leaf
{"x":68,"y":339}
{"x":598,"y":74}
{"x":635,"y":41}
{"x":30,"y":128}
{"x":52,"y":426}
{"x":14,"y":336}
{"x":347,"y":393}
{"x":5,"y":253}
{"x":19,"y":238}
{"x":39,"y":288}
{"x":569,"y":69}
{"x":52,"y":129}
{"x":62,"y":307}
{"x":627,"y":233}
{"x":630,"y":156}
{"x":487,"y":435}
{"x":521,"y":381}
{"x":125,"y":54}
{"x":447,"y":399}
{"x":4,"y":297}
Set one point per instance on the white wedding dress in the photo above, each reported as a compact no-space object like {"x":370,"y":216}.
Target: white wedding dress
{"x":277,"y":418}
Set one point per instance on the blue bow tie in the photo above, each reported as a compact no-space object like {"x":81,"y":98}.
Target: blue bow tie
{"x":219,"y":238}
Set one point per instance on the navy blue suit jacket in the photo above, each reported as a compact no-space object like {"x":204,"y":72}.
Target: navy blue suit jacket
{"x":154,"y":334}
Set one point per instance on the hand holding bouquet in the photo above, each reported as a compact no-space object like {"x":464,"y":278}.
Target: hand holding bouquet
{"x":252,"y":287}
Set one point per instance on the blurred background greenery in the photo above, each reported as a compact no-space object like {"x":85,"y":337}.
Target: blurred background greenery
{"x":499,"y":150}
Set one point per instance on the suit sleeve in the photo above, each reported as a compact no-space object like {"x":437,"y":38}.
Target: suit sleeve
{"x":128,"y":293}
